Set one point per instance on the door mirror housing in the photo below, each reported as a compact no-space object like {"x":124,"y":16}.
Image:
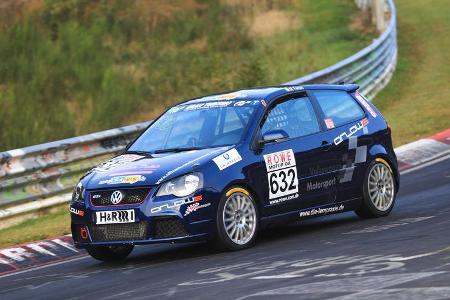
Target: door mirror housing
{"x":274,"y":136}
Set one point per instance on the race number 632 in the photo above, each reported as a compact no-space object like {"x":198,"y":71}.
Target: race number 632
{"x":282,"y":182}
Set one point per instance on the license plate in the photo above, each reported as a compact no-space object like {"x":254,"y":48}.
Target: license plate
{"x":114,"y":217}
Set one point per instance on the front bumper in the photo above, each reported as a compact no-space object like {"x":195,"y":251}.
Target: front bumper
{"x":168,"y":220}
{"x":91,"y":238}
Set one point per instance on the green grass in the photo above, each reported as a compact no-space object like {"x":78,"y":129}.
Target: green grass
{"x":416,"y":102}
{"x":75,"y":67}
{"x":56,"y":223}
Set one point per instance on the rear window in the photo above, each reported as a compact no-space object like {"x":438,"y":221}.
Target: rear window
{"x":338,"y":106}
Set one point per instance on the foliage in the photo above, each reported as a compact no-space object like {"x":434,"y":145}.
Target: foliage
{"x":77,"y":66}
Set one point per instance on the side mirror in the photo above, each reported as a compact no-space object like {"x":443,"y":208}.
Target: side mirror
{"x":271,"y":136}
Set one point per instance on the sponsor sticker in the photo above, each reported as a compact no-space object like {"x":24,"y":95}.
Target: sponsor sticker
{"x":294,"y":88}
{"x":117,"y":162}
{"x":227,"y":159}
{"x":354,"y":129}
{"x":194,"y":207}
{"x":175,"y":204}
{"x":321,"y":211}
{"x":281,"y":174}
{"x":263,"y":102}
{"x":205,"y":105}
{"x":311,"y":186}
{"x":77,"y":212}
{"x":329,"y":123}
{"x":129,"y":179}
{"x":115,"y":217}
{"x":229,"y":96}
{"x":132,"y":170}
{"x":191,"y":162}
{"x":366,"y":105}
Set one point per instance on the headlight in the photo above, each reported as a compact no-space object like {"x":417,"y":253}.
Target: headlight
{"x":181,"y":186}
{"x":78,"y":193}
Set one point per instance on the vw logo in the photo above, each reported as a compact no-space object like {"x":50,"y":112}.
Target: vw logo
{"x":116,"y":197}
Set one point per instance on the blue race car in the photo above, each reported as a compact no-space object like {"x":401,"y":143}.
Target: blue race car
{"x":222,"y":167}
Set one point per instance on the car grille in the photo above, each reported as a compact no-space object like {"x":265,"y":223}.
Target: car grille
{"x":168,"y":227}
{"x":132,"y":196}
{"x":118,"y":232}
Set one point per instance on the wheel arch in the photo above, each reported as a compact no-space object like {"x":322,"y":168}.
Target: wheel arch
{"x":245,"y":185}
{"x":379,"y":152}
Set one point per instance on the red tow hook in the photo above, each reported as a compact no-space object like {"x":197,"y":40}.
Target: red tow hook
{"x":83,"y":233}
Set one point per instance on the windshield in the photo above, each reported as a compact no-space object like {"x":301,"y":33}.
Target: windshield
{"x":196,"y":126}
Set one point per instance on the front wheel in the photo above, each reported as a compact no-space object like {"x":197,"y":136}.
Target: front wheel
{"x":379,"y":190}
{"x":237,"y":220}
{"x":110,"y":253}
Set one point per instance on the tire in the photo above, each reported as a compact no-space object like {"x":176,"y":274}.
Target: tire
{"x":379,"y":190}
{"x":237,"y":220}
{"x":110,"y":253}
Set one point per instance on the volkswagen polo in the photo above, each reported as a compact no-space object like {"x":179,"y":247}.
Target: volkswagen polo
{"x":222,"y":167}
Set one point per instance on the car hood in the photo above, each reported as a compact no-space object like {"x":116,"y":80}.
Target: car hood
{"x":130,"y":170}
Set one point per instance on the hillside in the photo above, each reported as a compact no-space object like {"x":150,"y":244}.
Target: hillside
{"x":416,"y":102}
{"x":79,"y":66}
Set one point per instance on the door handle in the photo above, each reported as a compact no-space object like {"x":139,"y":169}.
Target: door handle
{"x":326,"y":145}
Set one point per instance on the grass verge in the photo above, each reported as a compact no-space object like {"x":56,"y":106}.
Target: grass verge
{"x":56,"y":223}
{"x":416,"y":102}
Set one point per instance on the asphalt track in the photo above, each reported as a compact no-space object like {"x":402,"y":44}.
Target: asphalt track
{"x":403,"y":256}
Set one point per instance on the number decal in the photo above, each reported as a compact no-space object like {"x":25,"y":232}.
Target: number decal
{"x":281,"y":173}
{"x":293,"y":175}
{"x":273,"y":183}
{"x":283,"y":182}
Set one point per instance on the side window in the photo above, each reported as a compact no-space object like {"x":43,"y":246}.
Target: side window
{"x":339,"y":107}
{"x":295,"y":116}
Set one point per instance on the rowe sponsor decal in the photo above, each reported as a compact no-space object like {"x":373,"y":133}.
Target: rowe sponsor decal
{"x":311,"y":186}
{"x":282,"y":175}
{"x":194,"y":207}
{"x":35,"y":254}
{"x":283,"y":199}
{"x":227,"y":159}
{"x":321,"y":211}
{"x":354,"y":129}
{"x":130,"y":179}
{"x":171,"y":205}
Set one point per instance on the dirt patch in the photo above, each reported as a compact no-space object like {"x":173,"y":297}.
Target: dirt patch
{"x":154,"y":12}
{"x":12,"y":11}
{"x":273,"y":22}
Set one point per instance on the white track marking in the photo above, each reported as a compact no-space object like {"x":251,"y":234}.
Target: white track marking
{"x":44,"y":266}
{"x":432,"y":162}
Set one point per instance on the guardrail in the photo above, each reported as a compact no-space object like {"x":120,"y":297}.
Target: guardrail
{"x":37,"y":173}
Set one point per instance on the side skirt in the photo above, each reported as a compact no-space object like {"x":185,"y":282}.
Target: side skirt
{"x":332,"y":208}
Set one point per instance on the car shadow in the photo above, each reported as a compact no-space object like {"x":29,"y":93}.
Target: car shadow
{"x":163,"y":253}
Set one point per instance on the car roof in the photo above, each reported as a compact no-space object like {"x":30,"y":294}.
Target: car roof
{"x":269,"y":92}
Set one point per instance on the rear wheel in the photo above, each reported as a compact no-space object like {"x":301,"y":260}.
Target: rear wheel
{"x":110,"y":253}
{"x":379,"y":190}
{"x":237,"y":220}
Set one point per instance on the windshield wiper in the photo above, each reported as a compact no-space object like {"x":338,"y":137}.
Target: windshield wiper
{"x":176,"y":150}
{"x":137,"y":152}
